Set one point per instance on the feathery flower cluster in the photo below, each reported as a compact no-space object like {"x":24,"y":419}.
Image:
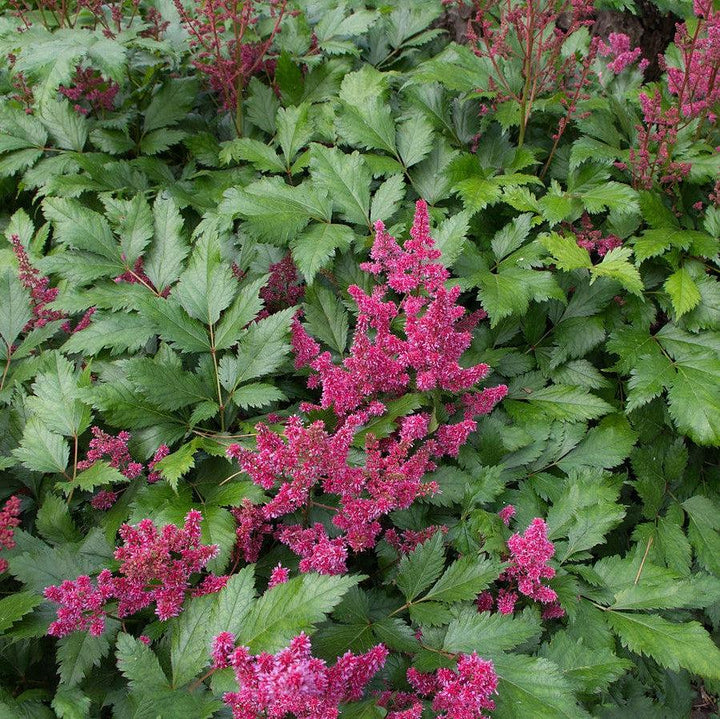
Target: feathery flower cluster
{"x":529,"y":556}
{"x":279,"y":575}
{"x":90,"y":91}
{"x":160,"y":453}
{"x":83,"y":323}
{"x":381,"y":366}
{"x":697,"y":83}
{"x":41,"y":294}
{"x":114,"y":450}
{"x":405,"y":541}
{"x":155,"y":566}
{"x":507,"y":513}
{"x":9,"y":519}
{"x":293,"y":682}
{"x":283,"y":289}
{"x":229,"y":50}
{"x":619,"y":50}
{"x":593,"y":240}
{"x":461,"y":694}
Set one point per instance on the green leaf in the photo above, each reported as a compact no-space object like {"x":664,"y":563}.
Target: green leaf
{"x":615,"y":265}
{"x":132,"y":221}
{"x":170,"y":104}
{"x":16,"y":606}
{"x":511,"y":236}
{"x":567,"y":403}
{"x":243,"y":310}
{"x":78,"y":653}
{"x":163,"y":262}
{"x":326,"y":317}
{"x":68,"y":128}
{"x":99,"y":474}
{"x":421,"y":567}
{"x":566,"y":252}
{"x":257,"y":394}
{"x":177,"y":463}
{"x":275,"y":211}
{"x":41,"y":450}
{"x":463,"y":580}
{"x":415,"y":139}
{"x":174,"y":325}
{"x":491,"y":633}
{"x":703,"y":531}
{"x":683,"y":291}
{"x":287,"y":609}
{"x":166,"y":385}
{"x":54,"y":522}
{"x":294,"y":130}
{"x":533,"y":687}
{"x":261,"y":350}
{"x":207,"y":286}
{"x":16,"y":307}
{"x":261,"y":156}
{"x":346,"y":180}
{"x":673,"y":645}
{"x":387,"y":198}
{"x":55,"y":398}
{"x":71,"y":704}
{"x":82,"y":228}
{"x":314,"y":246}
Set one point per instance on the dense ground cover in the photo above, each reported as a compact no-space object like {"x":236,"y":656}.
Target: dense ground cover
{"x":346,"y":369}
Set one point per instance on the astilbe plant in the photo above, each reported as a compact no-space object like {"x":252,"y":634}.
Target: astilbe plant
{"x":229,"y":50}
{"x":692,"y":97}
{"x":382,"y":365}
{"x":155,"y":567}
{"x":523,"y":42}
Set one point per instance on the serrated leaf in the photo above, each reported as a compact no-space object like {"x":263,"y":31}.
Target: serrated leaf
{"x":615,"y":265}
{"x":703,"y":531}
{"x":174,"y":325}
{"x":419,"y":568}
{"x":260,"y":350}
{"x":414,"y":140}
{"x":261,"y":156}
{"x":533,"y":687}
{"x":275,"y":211}
{"x":16,"y":606}
{"x":314,"y":246}
{"x":294,"y":130}
{"x":673,"y":645}
{"x":132,"y":220}
{"x":170,"y":104}
{"x":71,"y":704}
{"x":15,"y":302}
{"x":41,"y":450}
{"x":99,"y":474}
{"x":287,"y":609}
{"x":326,"y":317}
{"x":257,"y":394}
{"x":243,"y":310}
{"x":387,"y":198}
{"x":345,"y":178}
{"x":568,"y":403}
{"x":55,"y":399}
{"x":78,"y":653}
{"x":485,"y":632}
{"x":463,"y":580}
{"x":566,"y":252}
{"x":164,"y":261}
{"x":683,"y":291}
{"x":207,"y":286}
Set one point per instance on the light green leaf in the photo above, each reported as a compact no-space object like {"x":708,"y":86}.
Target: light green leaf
{"x":673,"y":645}
{"x":488,"y":633}
{"x":15,"y":302}
{"x":41,"y":450}
{"x":257,"y":394}
{"x":414,"y":140}
{"x":174,"y":325}
{"x":314,"y":246}
{"x":71,"y":704}
{"x":463,"y":580}
{"x":287,"y":609}
{"x":170,"y":104}
{"x":566,"y":252}
{"x":387,"y":198}
{"x":243,"y":310}
{"x":260,"y":155}
{"x":16,"y":606}
{"x":68,"y":127}
{"x":683,"y":291}
{"x":55,"y":399}
{"x":616,"y":265}
{"x":294,"y":130}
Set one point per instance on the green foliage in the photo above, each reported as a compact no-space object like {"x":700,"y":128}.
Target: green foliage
{"x":169,"y":219}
